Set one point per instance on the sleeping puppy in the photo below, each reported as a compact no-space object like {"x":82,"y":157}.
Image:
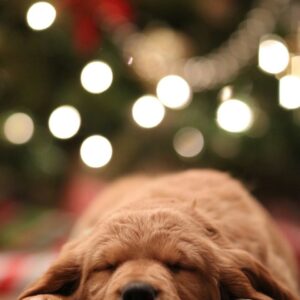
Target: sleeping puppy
{"x":196,"y":235}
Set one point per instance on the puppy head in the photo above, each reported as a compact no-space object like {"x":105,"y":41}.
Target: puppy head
{"x":157,"y":255}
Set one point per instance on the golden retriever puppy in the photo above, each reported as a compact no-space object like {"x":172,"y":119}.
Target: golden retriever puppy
{"x":195,"y":235}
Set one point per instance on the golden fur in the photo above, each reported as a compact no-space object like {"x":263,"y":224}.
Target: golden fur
{"x":192,"y":235}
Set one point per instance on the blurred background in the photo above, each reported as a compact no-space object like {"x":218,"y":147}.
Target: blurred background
{"x":96,"y":89}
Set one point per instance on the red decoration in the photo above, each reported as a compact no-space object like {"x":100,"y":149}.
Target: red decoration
{"x":89,"y":15}
{"x":7,"y":283}
{"x":115,"y":12}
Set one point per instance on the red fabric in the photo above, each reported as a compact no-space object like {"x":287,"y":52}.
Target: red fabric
{"x":18,"y":270}
{"x":13,"y":274}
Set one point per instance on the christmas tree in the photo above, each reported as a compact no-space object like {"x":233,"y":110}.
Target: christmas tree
{"x":108,"y":87}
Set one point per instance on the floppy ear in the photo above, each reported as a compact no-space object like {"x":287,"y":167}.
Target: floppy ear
{"x":244,"y":277}
{"x":60,"y":282}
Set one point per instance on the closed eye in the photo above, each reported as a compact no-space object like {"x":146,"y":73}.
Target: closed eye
{"x":178,"y":267}
{"x":106,"y":267}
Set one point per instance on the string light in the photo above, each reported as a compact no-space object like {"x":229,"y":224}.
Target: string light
{"x":273,"y":55}
{"x":174,"y":92}
{"x":156,"y":51}
{"x":148,"y":112}
{"x":18,"y":128}
{"x":64,"y":122}
{"x":226,"y":93}
{"x":130,"y":61}
{"x":234,"y":116}
{"x":96,"y":77}
{"x":188,"y":142}
{"x":40,"y":15}
{"x":201,"y":72}
{"x":289,"y":92}
{"x":96,"y":151}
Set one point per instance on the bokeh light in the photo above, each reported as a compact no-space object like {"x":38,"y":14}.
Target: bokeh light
{"x":226,"y":93}
{"x":174,"y":92}
{"x":96,"y":151}
{"x":18,"y":128}
{"x":188,"y":142}
{"x":234,"y":116}
{"x":273,"y":56}
{"x":289,"y":92}
{"x":96,"y":77}
{"x":40,"y":15}
{"x":64,"y":122}
{"x":148,"y":112}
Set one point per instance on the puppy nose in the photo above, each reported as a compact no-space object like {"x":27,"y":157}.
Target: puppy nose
{"x":138,"y":291}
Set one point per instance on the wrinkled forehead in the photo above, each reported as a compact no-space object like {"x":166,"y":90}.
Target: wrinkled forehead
{"x":140,"y":226}
{"x":153,"y":234}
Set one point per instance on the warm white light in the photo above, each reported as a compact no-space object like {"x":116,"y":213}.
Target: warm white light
{"x":289,"y":92}
{"x":188,"y":142}
{"x":64,"y":122}
{"x":273,"y":56}
{"x":18,"y":128}
{"x":96,"y":77}
{"x":130,"y":61}
{"x":41,"y":15}
{"x":174,"y":92}
{"x":96,"y":151}
{"x":148,"y":111}
{"x":226,"y":93}
{"x":234,"y":116}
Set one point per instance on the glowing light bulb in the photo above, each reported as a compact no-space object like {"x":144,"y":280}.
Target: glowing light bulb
{"x":148,"y":112}
{"x":273,"y":56}
{"x":226,"y":93}
{"x":174,"y":92}
{"x":188,"y":142}
{"x":41,"y":15}
{"x":234,"y":116}
{"x":289,"y":92}
{"x":18,"y":128}
{"x":64,"y":122}
{"x":96,"y":151}
{"x":96,"y":77}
